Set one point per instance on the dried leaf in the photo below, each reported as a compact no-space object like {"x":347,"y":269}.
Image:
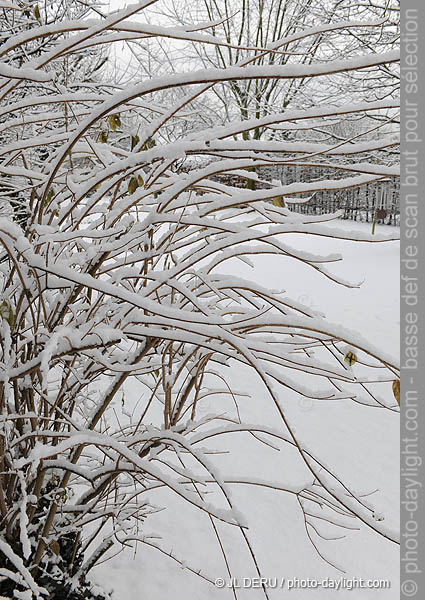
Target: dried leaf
{"x":134,"y":141}
{"x":103,"y":137}
{"x":279,"y":201}
{"x":133,"y":185}
{"x":396,"y":390}
{"x":149,"y":144}
{"x":6,"y":313}
{"x":140,"y":180}
{"x":54,"y":546}
{"x":111,"y":120}
{"x":36,"y":13}
{"x":350,"y":358}
{"x":114,"y":122}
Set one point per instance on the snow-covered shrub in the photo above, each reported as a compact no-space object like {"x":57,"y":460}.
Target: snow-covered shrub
{"x":110,"y":273}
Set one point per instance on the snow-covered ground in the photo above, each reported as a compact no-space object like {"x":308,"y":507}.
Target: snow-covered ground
{"x":361,"y":443}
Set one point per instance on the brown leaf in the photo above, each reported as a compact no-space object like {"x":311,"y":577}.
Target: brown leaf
{"x":279,"y":201}
{"x":134,"y":141}
{"x":36,"y":13}
{"x":112,"y":124}
{"x":6,"y":313}
{"x":54,"y":546}
{"x":133,"y":185}
{"x":350,"y":358}
{"x":396,"y":390}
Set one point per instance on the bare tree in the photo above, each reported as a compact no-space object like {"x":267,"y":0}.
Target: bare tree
{"x":298,"y":32}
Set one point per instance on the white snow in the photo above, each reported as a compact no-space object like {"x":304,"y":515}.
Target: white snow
{"x":358,"y":442}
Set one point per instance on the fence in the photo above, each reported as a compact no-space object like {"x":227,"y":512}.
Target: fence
{"x":358,"y":204}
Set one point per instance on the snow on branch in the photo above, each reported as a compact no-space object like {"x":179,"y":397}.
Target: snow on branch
{"x":123,"y":318}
